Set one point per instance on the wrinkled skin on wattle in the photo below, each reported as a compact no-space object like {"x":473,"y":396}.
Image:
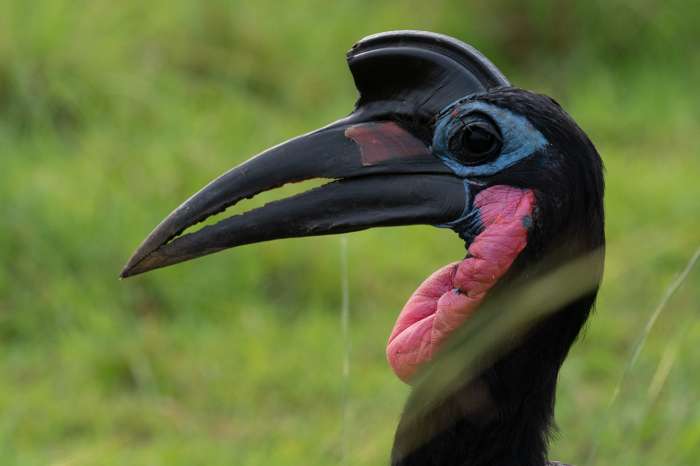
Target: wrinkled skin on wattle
{"x":450,"y":295}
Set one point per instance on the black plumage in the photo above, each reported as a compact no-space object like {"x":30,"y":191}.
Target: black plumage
{"x":390,"y":168}
{"x":514,"y":422}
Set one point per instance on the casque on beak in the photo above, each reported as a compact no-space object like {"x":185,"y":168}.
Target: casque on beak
{"x":379,"y":158}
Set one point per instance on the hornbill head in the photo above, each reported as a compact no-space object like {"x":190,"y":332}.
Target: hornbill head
{"x":439,"y":137}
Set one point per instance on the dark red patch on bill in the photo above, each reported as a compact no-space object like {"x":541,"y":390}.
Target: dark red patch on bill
{"x":383,"y":141}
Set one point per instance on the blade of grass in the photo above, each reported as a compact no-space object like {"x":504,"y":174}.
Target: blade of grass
{"x":637,"y":349}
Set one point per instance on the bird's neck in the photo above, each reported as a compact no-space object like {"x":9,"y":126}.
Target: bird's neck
{"x":485,"y":423}
{"x":503,"y":416}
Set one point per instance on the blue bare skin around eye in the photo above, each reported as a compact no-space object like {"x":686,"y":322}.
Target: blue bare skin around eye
{"x":520,"y":138}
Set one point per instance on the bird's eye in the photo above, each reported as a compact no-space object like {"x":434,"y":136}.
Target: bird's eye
{"x":476,"y":140}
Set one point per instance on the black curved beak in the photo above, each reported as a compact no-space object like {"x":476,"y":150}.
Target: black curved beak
{"x":382,"y":172}
{"x":383,"y":176}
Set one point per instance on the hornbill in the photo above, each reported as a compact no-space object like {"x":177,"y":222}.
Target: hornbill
{"x":438,"y":136}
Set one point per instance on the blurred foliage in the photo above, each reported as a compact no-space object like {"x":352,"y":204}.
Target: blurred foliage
{"x":113,"y":113}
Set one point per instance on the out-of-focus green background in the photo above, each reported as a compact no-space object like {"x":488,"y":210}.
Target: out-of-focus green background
{"x":112,"y":113}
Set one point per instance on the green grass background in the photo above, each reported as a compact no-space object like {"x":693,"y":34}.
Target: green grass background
{"x":112,"y":113}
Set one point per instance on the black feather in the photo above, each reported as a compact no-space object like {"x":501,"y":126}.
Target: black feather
{"x":517,"y":392}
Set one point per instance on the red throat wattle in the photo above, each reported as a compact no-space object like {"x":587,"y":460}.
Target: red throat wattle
{"x":450,"y":295}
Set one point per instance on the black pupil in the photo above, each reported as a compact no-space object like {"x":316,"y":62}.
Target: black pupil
{"x":477,"y":140}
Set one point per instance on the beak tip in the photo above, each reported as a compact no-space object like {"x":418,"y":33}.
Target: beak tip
{"x":142,"y":262}
{"x":128,"y":270}
{"x":135,"y":264}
